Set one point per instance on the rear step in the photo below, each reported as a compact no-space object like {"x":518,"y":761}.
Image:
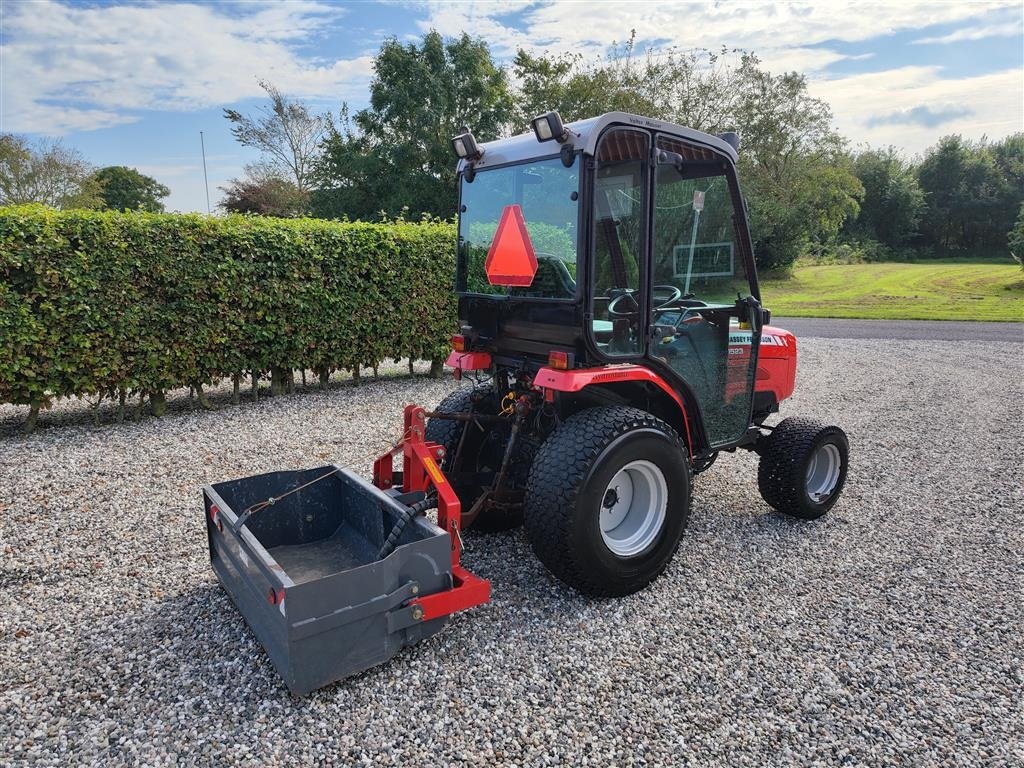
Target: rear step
{"x":304,"y":556}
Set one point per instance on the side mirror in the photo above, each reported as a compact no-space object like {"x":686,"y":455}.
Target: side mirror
{"x":671,"y":158}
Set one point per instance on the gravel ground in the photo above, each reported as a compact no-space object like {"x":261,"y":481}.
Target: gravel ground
{"x":887,"y":633}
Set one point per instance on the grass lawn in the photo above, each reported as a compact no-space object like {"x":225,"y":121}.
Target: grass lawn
{"x":891,"y":291}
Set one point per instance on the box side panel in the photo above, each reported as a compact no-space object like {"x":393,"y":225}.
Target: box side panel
{"x":239,"y":572}
{"x":322,"y":650}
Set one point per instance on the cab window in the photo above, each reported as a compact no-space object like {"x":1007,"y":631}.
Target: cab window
{"x":695,"y":249}
{"x":697,"y":275}
{"x":546,"y":193}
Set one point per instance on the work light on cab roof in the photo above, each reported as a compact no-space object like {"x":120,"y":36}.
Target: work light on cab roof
{"x":465,"y":145}
{"x":549,"y":126}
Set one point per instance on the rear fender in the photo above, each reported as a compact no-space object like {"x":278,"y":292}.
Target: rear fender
{"x":634,"y":384}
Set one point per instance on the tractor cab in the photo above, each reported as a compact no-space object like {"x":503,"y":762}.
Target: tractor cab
{"x":619,"y":241}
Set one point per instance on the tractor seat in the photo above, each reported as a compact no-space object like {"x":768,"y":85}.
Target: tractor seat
{"x":551,"y":281}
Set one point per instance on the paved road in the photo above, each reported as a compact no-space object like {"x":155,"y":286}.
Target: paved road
{"x":938,"y":330}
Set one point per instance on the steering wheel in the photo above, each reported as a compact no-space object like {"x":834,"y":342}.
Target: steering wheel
{"x":669,"y":295}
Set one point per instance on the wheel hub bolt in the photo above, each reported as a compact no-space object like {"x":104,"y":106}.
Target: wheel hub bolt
{"x":611,"y":498}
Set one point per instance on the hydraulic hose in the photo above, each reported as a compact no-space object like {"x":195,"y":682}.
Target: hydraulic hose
{"x":419,"y":508}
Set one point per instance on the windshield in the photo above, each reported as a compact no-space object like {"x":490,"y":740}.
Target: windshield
{"x":547,"y":193}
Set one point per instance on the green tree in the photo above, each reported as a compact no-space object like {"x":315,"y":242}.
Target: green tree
{"x":941,"y":176}
{"x":578,"y":89}
{"x":45,"y":172}
{"x":893,"y":201}
{"x":287,"y":132}
{"x":968,"y":195}
{"x":1008,"y":156}
{"x":127,"y":189}
{"x":1015,"y":238}
{"x":264,"y":191}
{"x":800,"y":188}
{"x":396,"y":153}
{"x":684,"y":86}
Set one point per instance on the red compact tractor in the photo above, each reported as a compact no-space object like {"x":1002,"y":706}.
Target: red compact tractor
{"x":613,"y":334}
{"x":612,"y":325}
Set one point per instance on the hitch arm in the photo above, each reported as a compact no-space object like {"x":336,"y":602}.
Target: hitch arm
{"x":421,"y":472}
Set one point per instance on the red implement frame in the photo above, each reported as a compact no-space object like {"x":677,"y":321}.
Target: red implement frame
{"x":420,"y":471}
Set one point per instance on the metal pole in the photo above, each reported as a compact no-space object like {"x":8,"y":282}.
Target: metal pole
{"x":206,"y":180}
{"x":693,"y":243}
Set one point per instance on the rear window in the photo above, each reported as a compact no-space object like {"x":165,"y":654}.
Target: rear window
{"x":547,"y":193}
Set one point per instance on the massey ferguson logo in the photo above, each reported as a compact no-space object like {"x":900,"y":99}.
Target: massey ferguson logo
{"x":744,"y":338}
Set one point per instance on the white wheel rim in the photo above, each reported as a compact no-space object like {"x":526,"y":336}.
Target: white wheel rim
{"x":823,"y":473}
{"x":633,"y":508}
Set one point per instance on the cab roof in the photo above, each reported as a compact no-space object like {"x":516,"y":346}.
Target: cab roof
{"x":584,"y":134}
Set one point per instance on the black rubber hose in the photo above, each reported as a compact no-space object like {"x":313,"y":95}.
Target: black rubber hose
{"x":419,"y":508}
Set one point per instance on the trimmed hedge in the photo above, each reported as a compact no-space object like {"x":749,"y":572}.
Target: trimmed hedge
{"x":106,"y":303}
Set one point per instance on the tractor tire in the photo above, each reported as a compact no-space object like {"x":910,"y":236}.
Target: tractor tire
{"x":497,"y":520}
{"x":447,"y":433}
{"x":803,"y":467}
{"x":608,"y":500}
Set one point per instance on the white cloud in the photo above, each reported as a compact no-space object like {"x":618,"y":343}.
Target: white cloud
{"x":911,"y":107}
{"x":798,"y":59}
{"x":757,"y":25}
{"x":78,"y":68}
{"x":69,"y":68}
{"x":974,"y":33}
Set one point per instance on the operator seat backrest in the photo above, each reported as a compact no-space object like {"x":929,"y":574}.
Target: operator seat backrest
{"x":552,"y":280}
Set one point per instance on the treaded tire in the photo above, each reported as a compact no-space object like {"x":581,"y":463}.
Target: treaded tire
{"x":444,"y":431}
{"x":569,"y":479}
{"x":447,"y":433}
{"x":785,"y":459}
{"x":497,"y":520}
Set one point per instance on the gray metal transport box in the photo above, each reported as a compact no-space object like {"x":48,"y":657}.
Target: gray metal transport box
{"x":304,"y":570}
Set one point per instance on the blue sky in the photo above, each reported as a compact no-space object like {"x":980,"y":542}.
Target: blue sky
{"x":134,"y":83}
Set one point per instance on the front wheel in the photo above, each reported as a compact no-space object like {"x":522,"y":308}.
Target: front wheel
{"x":608,"y":499}
{"x":803,"y":467}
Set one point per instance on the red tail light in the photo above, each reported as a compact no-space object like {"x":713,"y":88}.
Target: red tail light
{"x":561,"y":361}
{"x":459,"y":343}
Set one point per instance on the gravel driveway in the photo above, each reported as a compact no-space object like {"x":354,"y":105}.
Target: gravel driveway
{"x":888,"y":633}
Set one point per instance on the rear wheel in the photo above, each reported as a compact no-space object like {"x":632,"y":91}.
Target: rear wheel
{"x":803,"y":467}
{"x":608,"y":499}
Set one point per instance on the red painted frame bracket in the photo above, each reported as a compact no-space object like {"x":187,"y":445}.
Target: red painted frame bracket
{"x":469,"y":361}
{"x":467,"y":590}
{"x":420,"y":472}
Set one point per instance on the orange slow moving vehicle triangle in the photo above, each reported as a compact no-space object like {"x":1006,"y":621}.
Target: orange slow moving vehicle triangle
{"x":511,"y":260}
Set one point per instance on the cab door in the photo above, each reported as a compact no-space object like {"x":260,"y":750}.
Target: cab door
{"x":620,"y":212}
{"x":704,"y":322}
